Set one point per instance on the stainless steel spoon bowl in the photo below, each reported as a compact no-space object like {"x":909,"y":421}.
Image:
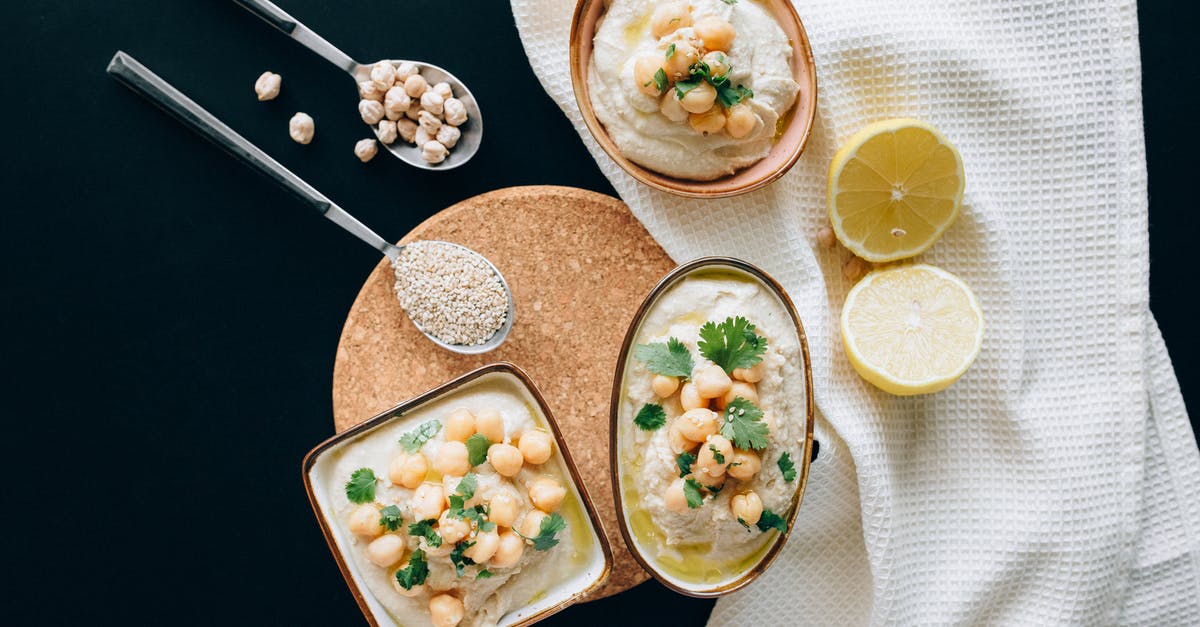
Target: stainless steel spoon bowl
{"x":140,"y":79}
{"x":472,"y":130}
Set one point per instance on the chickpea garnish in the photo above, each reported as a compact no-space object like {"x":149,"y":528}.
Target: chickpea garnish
{"x":697,"y":424}
{"x":716,"y":33}
{"x":755,"y":373}
{"x":408,"y":470}
{"x":689,"y":398}
{"x":509,"y":550}
{"x":505,"y":458}
{"x":428,"y":502}
{"x":502,"y":509}
{"x":669,"y":17}
{"x":446,"y":610}
{"x":452,"y":459}
{"x":711,"y":381}
{"x":489,"y":422}
{"x":365,"y":520}
{"x":674,"y":498}
{"x":709,"y":122}
{"x":385,"y":551}
{"x":459,"y":425}
{"x":546,"y":493}
{"x":743,"y":464}
{"x":664,"y":386}
{"x":747,"y":507}
{"x":536,"y":446}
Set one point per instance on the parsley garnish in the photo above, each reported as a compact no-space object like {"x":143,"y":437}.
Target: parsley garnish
{"x":787,"y":467}
{"x":716,"y":454}
{"x":660,"y":79}
{"x":361,"y":486}
{"x":771,"y":520}
{"x":459,"y":560}
{"x":390,"y":517}
{"x":732,"y":344}
{"x":458,"y":500}
{"x":684,"y":461}
{"x":691,"y":491}
{"x":424,"y":529}
{"x":483,"y":574}
{"x":415,"y":573}
{"x":415,"y":439}
{"x":671,"y":359}
{"x":650,"y":417}
{"x":743,"y":425}
{"x":670,"y":51}
{"x":683,"y":87}
{"x":545,"y":539}
{"x":699,"y":68}
{"x":730,"y":96}
{"x":730,"y":2}
{"x":477,"y":448}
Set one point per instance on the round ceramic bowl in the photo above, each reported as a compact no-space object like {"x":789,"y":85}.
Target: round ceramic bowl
{"x":779,"y":160}
{"x":700,"y":575}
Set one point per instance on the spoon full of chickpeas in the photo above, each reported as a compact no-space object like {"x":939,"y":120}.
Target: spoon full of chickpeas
{"x":434,"y":119}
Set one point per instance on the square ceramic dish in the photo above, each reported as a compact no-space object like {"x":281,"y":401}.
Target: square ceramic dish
{"x":593,"y":556}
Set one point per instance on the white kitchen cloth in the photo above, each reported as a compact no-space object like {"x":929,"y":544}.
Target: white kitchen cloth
{"x":1059,"y":481}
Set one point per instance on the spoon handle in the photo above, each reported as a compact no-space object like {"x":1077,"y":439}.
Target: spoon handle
{"x":140,"y":79}
{"x":292,"y":27}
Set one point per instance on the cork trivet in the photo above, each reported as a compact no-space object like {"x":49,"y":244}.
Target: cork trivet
{"x":578,"y":264}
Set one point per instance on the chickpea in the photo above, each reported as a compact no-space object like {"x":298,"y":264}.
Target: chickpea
{"x":644,"y":69}
{"x":267,"y":86}
{"x":531,"y":524}
{"x":502,"y":509}
{"x":738,"y":388}
{"x":700,"y":99}
{"x":408,"y":470}
{"x":679,"y":65}
{"x":486,"y":543}
{"x":421,"y":138}
{"x":740,"y":120}
{"x":459,"y":425}
{"x":755,"y":373}
{"x":452,"y":459}
{"x":744,"y":464}
{"x":667,"y":18}
{"x":536,"y":446}
{"x":711,"y":381}
{"x":674,"y":499}
{"x":717,"y":62}
{"x":505,"y":458}
{"x":386,"y":131}
{"x":405,"y":70}
{"x":428,"y":502}
{"x":452,"y":530}
{"x":546,"y":493}
{"x":712,"y":448}
{"x":669,"y":107}
{"x":448,"y":136}
{"x":855,"y":268}
{"x":383,"y":74}
{"x":455,"y":111}
{"x":443,"y":89}
{"x":716,"y":33}
{"x":430,"y":122}
{"x":385,"y":551}
{"x":301,"y":128}
{"x":432,"y":102}
{"x":407,"y":129}
{"x":414,"y":592}
{"x":664,"y":386}
{"x":415,"y":86}
{"x":826,"y":239}
{"x":689,"y":398}
{"x":675,"y":438}
{"x":446,"y":610}
{"x":710,"y":483}
{"x":371,"y":111}
{"x":747,"y":507}
{"x":368,"y":91}
{"x":365,"y":520}
{"x":395,"y":103}
{"x":442,"y":550}
{"x":365,"y":149}
{"x":489,"y":422}
{"x":697,"y":424}
{"x":414,"y":109}
{"x":709,"y":122}
{"x":508,"y":551}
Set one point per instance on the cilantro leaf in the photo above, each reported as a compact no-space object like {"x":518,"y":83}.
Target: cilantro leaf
{"x":459,"y":560}
{"x":700,"y":69}
{"x":730,"y":96}
{"x":415,"y":573}
{"x":771,"y":520}
{"x":424,"y":529}
{"x":683,"y":87}
{"x":717,"y":454}
{"x":670,"y":51}
{"x":545,"y":539}
{"x":477,"y":448}
{"x":787,"y":467}
{"x":483,"y":574}
{"x":730,"y":2}
{"x":361,"y":486}
{"x":415,"y":439}
{"x":650,"y":417}
{"x":671,"y":359}
{"x":743,"y":425}
{"x":691,"y":490}
{"x":660,"y":79}
{"x":684,"y":461}
{"x":466,"y":487}
{"x":390,"y":517}
{"x":732,"y":344}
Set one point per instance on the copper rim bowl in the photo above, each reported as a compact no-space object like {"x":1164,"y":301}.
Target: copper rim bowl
{"x":779,"y":160}
{"x":362,"y":595}
{"x":736,"y":266}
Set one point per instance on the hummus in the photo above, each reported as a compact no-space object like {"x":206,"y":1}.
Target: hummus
{"x":759,"y":56}
{"x":539,"y":577}
{"x":708,"y":544}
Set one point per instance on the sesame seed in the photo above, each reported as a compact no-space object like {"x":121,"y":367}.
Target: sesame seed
{"x":450,"y":293}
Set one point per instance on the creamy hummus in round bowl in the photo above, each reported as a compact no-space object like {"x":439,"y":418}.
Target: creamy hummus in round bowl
{"x":459,"y":507}
{"x":712,"y":418}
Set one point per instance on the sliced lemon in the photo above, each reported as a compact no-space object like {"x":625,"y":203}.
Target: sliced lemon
{"x":911,"y":329}
{"x":894,"y":188}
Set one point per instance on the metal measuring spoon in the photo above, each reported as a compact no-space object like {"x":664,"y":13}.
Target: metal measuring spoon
{"x":141,"y":80}
{"x":472,"y":130}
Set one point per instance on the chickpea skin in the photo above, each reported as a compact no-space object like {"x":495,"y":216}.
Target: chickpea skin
{"x":502,"y":509}
{"x":743,"y":465}
{"x":740,"y":120}
{"x":489,"y":422}
{"x":674,"y":499}
{"x":667,"y":18}
{"x":452,"y":459}
{"x":508,"y":551}
{"x":536,"y":446}
{"x":755,"y":373}
{"x":452,"y":530}
{"x":365,"y":520}
{"x":486,"y":543}
{"x":546,"y":493}
{"x":428,"y":502}
{"x":679,"y":65}
{"x":446,"y":610}
{"x":408,"y":470}
{"x":505,"y":458}
{"x":717,"y":446}
{"x":669,"y":107}
{"x":747,"y":507}
{"x":716,"y":33}
{"x":689,"y":398}
{"x":385,"y":551}
{"x":697,"y":424}
{"x":709,"y":122}
{"x":711,"y":381}
{"x":531,"y":524}
{"x":664,"y":386}
{"x":267,"y":86}
{"x":644,"y":69}
{"x":415,"y":86}
{"x":739,"y":389}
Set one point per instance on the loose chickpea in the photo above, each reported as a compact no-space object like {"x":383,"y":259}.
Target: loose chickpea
{"x":679,"y":65}
{"x":689,"y":398}
{"x":395,"y":103}
{"x":536,"y":446}
{"x":385,"y":551}
{"x":415,"y":86}
{"x":505,"y":458}
{"x":531,"y":524}
{"x":443,"y":89}
{"x":711,"y":381}
{"x":459,"y":425}
{"x":428,"y":502}
{"x":448,"y":136}
{"x":715,"y":452}
{"x":408,"y":470}
{"x":700,"y":99}
{"x":546,"y":493}
{"x":697,"y":424}
{"x":451,"y":529}
{"x":509,"y":550}
{"x":430,"y":122}
{"x":747,"y":506}
{"x":383,"y":74}
{"x":386,"y":131}
{"x":667,"y":18}
{"x":644,"y":69}
{"x":753,"y":374}
{"x":675,"y":438}
{"x":674,"y":499}
{"x":664,"y":386}
{"x":446,"y":610}
{"x":407,"y":129}
{"x":365,"y":520}
{"x":709,"y":122}
{"x":368,"y":91}
{"x":452,"y":459}
{"x":716,"y":33}
{"x":267,"y":86}
{"x":405,"y":70}
{"x":738,"y":388}
{"x":717,"y":62}
{"x":365,"y":149}
{"x":301,"y":128}
{"x":743,"y":464}
{"x":486,"y":543}
{"x":740,"y":120}
{"x":455,"y":111}
{"x":489,"y":422}
{"x":669,"y":107}
{"x":432,"y":102}
{"x":502,"y":508}
{"x":371,"y":111}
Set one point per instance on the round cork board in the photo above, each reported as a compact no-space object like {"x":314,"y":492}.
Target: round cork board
{"x":578,"y":264}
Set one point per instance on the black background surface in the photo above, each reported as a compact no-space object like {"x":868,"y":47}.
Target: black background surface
{"x":171,"y":317}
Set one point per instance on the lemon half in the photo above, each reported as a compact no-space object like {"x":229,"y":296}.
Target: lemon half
{"x":911,"y":329}
{"x":894,"y":188}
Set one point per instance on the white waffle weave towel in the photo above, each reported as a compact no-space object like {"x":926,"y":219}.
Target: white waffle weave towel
{"x":1058,"y":482}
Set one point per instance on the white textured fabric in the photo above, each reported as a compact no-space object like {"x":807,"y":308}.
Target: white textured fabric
{"x":1058,"y":482}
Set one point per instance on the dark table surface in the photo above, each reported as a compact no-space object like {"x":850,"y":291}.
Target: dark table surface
{"x":172,"y":316}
